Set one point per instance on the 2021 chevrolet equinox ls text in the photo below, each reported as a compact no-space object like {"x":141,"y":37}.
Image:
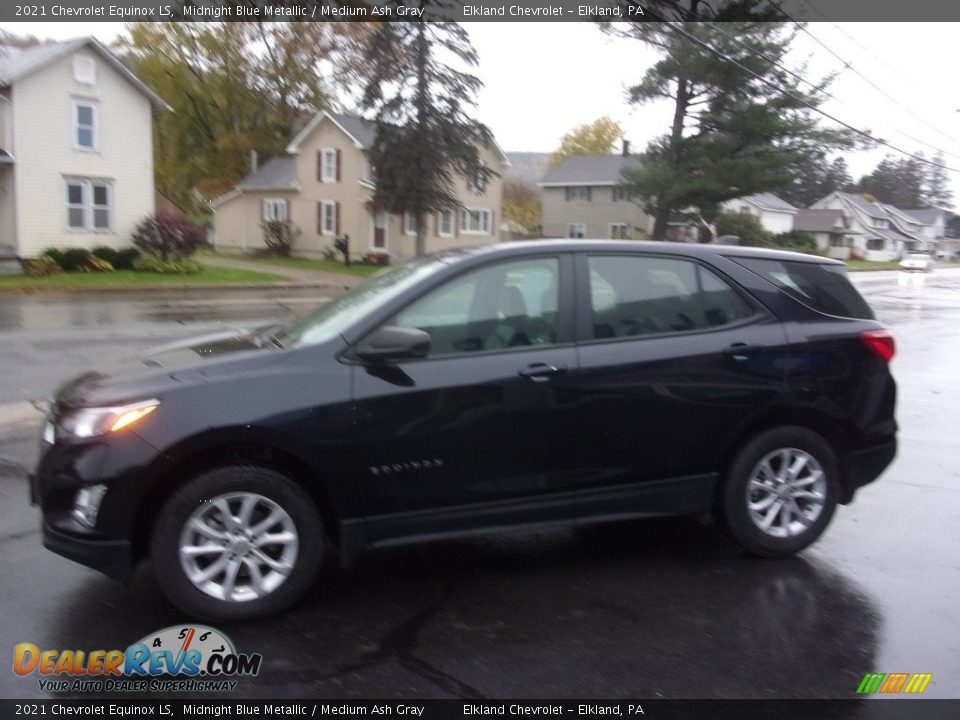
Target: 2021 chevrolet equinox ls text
{"x":518,"y":385}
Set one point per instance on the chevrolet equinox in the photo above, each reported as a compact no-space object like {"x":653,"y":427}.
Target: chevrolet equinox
{"x":514,"y":386}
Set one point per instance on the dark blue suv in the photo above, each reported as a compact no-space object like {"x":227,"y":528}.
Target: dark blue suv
{"x":523,"y":385}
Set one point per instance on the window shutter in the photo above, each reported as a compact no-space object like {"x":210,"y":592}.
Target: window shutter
{"x":319,"y":218}
{"x":319,"y":165}
{"x":287,"y":209}
{"x":436,"y":224}
{"x":568,"y":194}
{"x":338,"y":166}
{"x":456,"y":222}
{"x":263,"y":210}
{"x":336,"y":212}
{"x":493,"y":222}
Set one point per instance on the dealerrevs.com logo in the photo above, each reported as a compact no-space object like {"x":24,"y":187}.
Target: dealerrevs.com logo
{"x":192,"y":658}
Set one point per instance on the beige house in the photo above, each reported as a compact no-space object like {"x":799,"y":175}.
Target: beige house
{"x":324,"y":185}
{"x":76,"y":147}
{"x":582,"y":198}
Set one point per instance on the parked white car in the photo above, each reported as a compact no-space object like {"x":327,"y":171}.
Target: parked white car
{"x":917,"y":262}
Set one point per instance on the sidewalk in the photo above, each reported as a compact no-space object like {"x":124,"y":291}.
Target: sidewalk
{"x":296,"y":276}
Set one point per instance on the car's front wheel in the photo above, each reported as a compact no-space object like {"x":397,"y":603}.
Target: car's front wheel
{"x":235,"y":543}
{"x":780,"y":491}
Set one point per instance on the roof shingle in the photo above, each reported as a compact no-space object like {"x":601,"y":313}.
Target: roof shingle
{"x":589,"y":170}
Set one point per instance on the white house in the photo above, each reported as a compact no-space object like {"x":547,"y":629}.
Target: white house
{"x":775,"y":214}
{"x":874,"y":231}
{"x":76,"y":147}
{"x":934,"y":224}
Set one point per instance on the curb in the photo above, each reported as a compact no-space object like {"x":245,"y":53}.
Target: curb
{"x":172,"y":287}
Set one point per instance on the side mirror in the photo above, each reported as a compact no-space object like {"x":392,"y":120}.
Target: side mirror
{"x":394,"y":342}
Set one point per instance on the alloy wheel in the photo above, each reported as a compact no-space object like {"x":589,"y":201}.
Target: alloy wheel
{"x":238,"y":546}
{"x":786,"y":492}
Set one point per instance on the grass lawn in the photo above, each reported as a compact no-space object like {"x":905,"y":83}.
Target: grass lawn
{"x":131,"y":279}
{"x":299,"y":263}
{"x":866,"y":265}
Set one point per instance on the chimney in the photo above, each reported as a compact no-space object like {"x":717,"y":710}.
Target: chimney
{"x":626,"y":148}
{"x":254,"y":162}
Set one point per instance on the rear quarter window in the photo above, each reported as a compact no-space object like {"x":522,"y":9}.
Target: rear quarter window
{"x":823,"y":287}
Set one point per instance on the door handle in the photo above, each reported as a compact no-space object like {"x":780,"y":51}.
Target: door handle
{"x":541,"y":372}
{"x":742,"y":351}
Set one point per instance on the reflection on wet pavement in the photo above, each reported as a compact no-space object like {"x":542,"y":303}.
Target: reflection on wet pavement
{"x":36,"y":313}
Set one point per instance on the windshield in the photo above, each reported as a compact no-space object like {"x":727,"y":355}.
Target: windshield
{"x":328,"y":321}
{"x":917,"y":256}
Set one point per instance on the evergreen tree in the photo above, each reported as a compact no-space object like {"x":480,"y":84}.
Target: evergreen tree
{"x":732,"y":135}
{"x":936,"y":187}
{"x":897,"y":182}
{"x":426,"y":136}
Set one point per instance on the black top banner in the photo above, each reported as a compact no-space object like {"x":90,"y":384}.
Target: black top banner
{"x":477,"y":11}
{"x":475,"y":710}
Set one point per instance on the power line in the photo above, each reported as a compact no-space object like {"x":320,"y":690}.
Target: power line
{"x":819,"y":88}
{"x":848,"y":65}
{"x":863,"y":133}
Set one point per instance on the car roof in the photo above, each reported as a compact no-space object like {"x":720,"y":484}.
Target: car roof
{"x":527,"y":247}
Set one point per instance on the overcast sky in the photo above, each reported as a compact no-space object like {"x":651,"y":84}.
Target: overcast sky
{"x":542,"y":79}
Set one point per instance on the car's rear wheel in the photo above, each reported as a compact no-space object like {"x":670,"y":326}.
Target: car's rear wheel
{"x":237,"y":542}
{"x":780,"y":491}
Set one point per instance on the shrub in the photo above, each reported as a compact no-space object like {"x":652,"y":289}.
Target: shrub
{"x":55,"y":254}
{"x":74,"y":259}
{"x":376,"y":259}
{"x":796,"y":240}
{"x":169,"y":238}
{"x":279,"y":237}
{"x":166,"y":267}
{"x":41,"y":266}
{"x":96,"y":265}
{"x":746,"y":227}
{"x":106,"y":253}
{"x":125,"y":258}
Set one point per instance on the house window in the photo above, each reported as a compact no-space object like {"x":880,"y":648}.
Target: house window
{"x":839,"y":241}
{"x":475,"y":222}
{"x":621,"y":193}
{"x":477,"y":182}
{"x":328,"y":217}
{"x":275,"y":210}
{"x":875,"y":243}
{"x":84,"y":70}
{"x":445,"y":223}
{"x":409,"y":223}
{"x":89,"y":204}
{"x":576,"y":230}
{"x":619,"y":231}
{"x":328,"y":167}
{"x":578,"y":193}
{"x":880,"y":224}
{"x":744,"y":210}
{"x":85,"y":124}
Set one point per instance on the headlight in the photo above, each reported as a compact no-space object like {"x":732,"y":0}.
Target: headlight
{"x":91,"y":422}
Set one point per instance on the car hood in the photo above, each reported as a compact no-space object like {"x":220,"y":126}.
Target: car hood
{"x":174,"y":365}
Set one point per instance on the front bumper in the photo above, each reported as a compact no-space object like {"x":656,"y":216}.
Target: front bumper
{"x":864,"y":466}
{"x":114,"y":558}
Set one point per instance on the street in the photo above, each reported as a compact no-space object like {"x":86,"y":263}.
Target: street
{"x":666,"y":608}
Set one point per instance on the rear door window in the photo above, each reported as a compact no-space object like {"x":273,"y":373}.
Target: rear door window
{"x":635,"y":296}
{"x":823,"y":287}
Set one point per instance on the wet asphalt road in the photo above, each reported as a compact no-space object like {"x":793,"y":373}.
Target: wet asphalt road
{"x":664,"y":608}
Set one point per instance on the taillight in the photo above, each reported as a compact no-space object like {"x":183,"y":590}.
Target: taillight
{"x":881,"y":342}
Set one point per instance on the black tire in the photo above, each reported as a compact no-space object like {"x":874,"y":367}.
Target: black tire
{"x":170,"y":521}
{"x":734,"y":514}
